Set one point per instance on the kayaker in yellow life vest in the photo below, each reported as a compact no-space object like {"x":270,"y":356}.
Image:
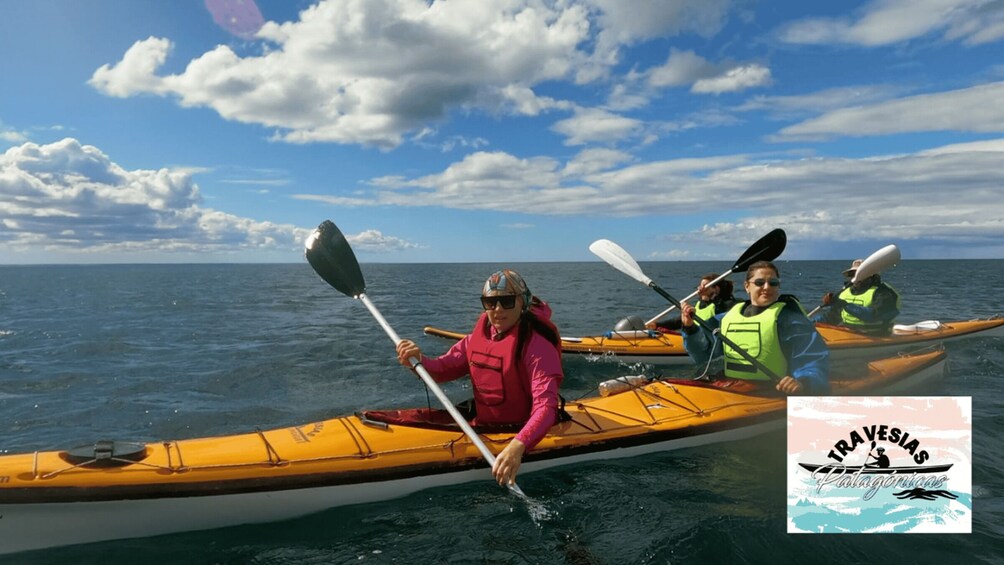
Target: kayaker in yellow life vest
{"x":867,"y":306}
{"x":772,"y":328}
{"x":713,"y":299}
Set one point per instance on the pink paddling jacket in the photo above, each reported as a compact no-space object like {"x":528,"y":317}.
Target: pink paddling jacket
{"x":507,"y":390}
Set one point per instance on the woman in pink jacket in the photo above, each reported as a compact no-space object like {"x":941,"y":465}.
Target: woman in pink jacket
{"x":513,"y":356}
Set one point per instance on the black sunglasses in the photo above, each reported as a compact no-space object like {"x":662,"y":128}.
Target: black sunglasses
{"x":508,"y":301}
{"x":760,"y":282}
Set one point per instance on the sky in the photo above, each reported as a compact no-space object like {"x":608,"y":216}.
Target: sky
{"x":499,"y":131}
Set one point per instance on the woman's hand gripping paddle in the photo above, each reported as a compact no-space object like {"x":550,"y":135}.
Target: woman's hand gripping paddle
{"x":331,"y":256}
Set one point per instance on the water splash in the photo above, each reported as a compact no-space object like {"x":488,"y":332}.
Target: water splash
{"x":537,"y":509}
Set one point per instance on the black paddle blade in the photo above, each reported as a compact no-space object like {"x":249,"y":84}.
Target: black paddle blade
{"x":332,"y":258}
{"x":767,"y":248}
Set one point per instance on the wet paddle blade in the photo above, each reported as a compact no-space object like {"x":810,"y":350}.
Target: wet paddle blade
{"x":332,"y":258}
{"x":618,"y":258}
{"x":767,"y":248}
{"x":877,"y":262}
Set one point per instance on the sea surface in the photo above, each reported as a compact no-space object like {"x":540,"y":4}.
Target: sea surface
{"x":155,"y":352}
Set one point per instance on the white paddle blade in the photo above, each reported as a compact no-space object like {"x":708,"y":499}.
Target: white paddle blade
{"x":616,"y":257}
{"x":877,"y":262}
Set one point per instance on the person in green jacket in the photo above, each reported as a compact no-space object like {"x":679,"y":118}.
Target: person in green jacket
{"x":772,"y":328}
{"x":713,"y":299}
{"x":868,"y":306}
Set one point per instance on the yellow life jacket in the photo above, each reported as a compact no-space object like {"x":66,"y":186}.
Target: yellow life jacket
{"x":864,"y":299}
{"x":705,"y":312}
{"x":758,"y":336}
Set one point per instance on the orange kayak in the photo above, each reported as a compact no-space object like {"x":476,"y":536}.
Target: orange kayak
{"x":667,"y":348}
{"x":114,"y":490}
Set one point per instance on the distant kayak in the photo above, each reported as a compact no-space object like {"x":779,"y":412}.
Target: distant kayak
{"x":113,"y":490}
{"x":865,"y":470}
{"x":647,"y":346}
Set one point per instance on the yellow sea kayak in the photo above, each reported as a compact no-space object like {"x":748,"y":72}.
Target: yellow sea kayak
{"x":667,"y":348}
{"x":119,"y":490}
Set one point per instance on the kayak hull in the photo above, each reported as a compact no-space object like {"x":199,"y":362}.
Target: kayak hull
{"x":864,"y":470}
{"x":38,"y":526}
{"x":845,"y":345}
{"x":195,"y":484}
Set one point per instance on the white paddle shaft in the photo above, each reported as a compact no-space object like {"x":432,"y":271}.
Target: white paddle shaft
{"x":688,"y":297}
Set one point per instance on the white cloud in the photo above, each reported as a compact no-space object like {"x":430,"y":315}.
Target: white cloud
{"x":590,"y":125}
{"x":671,"y":255}
{"x":337,"y":200}
{"x":628,"y":22}
{"x":10,"y":135}
{"x":734,"y":80}
{"x":814,"y":199}
{"x":428,"y":137}
{"x":73,"y":197}
{"x":884,"y":22}
{"x":683,"y":69}
{"x":369,"y":71}
{"x":787,"y":107}
{"x":625,"y":23}
{"x":595,"y":160}
{"x":974,"y":109}
{"x":377,"y":72}
{"x":135,"y":72}
{"x":374,"y":241}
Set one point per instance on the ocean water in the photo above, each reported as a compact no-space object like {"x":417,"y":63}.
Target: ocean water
{"x":153,"y":352}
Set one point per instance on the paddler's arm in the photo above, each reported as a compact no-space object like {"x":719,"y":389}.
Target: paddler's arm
{"x":447,"y":367}
{"x":542,"y":362}
{"x":698,"y":342}
{"x":829,"y":311}
{"x":809,"y":358}
{"x":665,"y":325}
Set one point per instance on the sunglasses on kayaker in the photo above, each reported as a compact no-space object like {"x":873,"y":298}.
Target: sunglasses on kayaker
{"x":760,"y":282}
{"x":508,"y":301}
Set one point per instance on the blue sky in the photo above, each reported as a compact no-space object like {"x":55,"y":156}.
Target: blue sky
{"x":511,"y":130}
